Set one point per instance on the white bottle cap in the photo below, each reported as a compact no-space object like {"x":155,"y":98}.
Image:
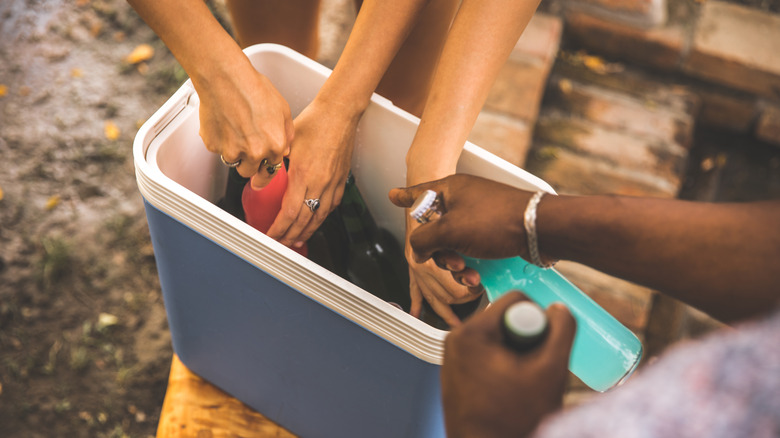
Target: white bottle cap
{"x":525,"y":322}
{"x":422,"y":204}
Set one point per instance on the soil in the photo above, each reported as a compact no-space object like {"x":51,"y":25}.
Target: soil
{"x":84,"y":344}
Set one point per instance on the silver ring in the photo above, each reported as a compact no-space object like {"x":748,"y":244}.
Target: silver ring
{"x":233,"y":164}
{"x":426,"y":206}
{"x":313,"y":204}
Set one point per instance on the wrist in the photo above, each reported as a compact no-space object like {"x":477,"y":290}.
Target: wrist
{"x":233,"y":68}
{"x":531,"y":236}
{"x":434,"y":152}
{"x":345,"y":100}
{"x":422,"y":174}
{"x":553,"y":224}
{"x":428,"y":165}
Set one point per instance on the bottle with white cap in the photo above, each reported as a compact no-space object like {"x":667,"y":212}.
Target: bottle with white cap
{"x":524,"y":325}
{"x":604,"y":353}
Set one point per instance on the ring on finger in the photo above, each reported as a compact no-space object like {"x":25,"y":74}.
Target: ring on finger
{"x":271,"y":168}
{"x":427,"y":207}
{"x":229,"y":164}
{"x":313,"y":204}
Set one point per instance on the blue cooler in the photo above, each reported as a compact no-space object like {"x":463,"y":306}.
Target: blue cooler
{"x":307,"y":349}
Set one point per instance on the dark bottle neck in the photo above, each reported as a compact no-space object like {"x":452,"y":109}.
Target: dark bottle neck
{"x":236,"y":178}
{"x":358,"y":223}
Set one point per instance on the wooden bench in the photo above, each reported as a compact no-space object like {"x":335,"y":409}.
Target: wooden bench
{"x":194,"y":408}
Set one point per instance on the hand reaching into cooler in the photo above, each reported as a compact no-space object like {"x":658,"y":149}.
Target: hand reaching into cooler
{"x":245,"y":120}
{"x":435,"y":286}
{"x":320,"y":159}
{"x":483,"y":219}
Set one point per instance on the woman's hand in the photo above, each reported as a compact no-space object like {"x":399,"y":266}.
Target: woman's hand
{"x":243,"y":117}
{"x":320,"y":160}
{"x":428,"y":282}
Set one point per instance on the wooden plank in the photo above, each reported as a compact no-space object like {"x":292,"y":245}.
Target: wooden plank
{"x":194,"y":408}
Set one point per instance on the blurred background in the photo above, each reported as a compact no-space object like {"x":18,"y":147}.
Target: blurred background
{"x":667,"y":98}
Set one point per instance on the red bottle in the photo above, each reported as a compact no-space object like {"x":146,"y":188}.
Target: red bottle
{"x":261,"y":206}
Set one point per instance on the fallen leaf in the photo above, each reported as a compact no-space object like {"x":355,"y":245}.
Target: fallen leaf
{"x":52,"y":202}
{"x":111,"y":130}
{"x":141,"y":53}
{"x":3,"y":90}
{"x":1,"y":193}
{"x":547,"y":153}
{"x":76,"y":72}
{"x":142,"y":68}
{"x":106,"y":320}
{"x":565,"y":86}
{"x":594,"y":63}
{"x":95,"y":29}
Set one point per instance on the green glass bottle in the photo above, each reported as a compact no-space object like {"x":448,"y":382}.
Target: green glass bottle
{"x":375,"y":261}
{"x":231,"y":201}
{"x":328,"y":245}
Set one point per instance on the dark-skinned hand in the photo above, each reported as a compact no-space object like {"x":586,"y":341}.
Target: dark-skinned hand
{"x":489,"y":390}
{"x":482,"y":219}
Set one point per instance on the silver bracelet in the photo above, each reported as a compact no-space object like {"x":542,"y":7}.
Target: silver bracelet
{"x":529,"y":221}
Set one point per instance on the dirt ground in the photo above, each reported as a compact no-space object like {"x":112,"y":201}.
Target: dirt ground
{"x":84,"y":345}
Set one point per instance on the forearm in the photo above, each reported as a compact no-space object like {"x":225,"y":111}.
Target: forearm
{"x":379,"y":31}
{"x":197,"y":40}
{"x":721,"y":258}
{"x":480,"y":41}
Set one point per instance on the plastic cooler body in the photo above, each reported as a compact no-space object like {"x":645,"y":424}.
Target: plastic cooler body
{"x":309,"y":350}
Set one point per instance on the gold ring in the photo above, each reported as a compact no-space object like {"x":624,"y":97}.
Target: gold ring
{"x":272,"y":168}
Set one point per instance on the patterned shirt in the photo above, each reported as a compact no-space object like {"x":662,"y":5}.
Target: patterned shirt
{"x":725,"y":385}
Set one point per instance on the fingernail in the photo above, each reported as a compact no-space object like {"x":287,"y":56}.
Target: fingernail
{"x":470,"y":283}
{"x":298,"y":244}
